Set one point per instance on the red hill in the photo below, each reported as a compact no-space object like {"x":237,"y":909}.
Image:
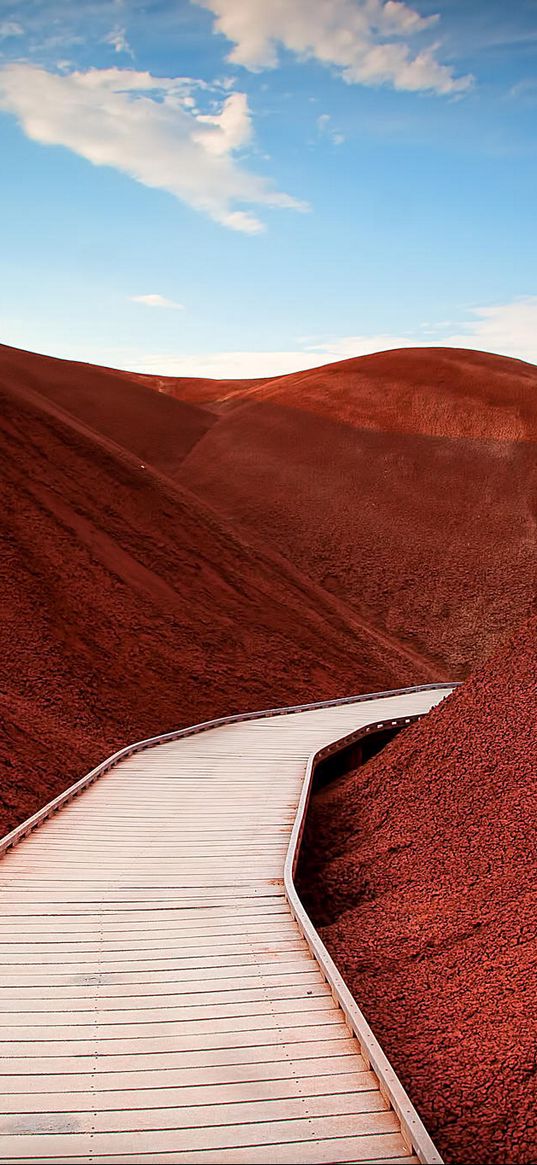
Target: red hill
{"x":420,"y":870}
{"x":441,"y":392}
{"x":211,"y":394}
{"x":131,"y":609}
{"x":119,"y":405}
{"x":369,"y":557}
{"x":403,"y":483}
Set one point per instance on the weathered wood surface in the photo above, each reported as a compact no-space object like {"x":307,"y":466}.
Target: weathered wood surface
{"x":159,"y":1002}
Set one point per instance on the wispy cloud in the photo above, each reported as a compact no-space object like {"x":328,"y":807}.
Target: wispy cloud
{"x":327,"y":129}
{"x":369,"y":42}
{"x":117,"y":39}
{"x":508,"y":329}
{"x":156,"y":301}
{"x":9,"y":28}
{"x":147,"y":127}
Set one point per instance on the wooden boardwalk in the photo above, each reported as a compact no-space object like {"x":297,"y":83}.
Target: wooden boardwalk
{"x":160,"y":1002}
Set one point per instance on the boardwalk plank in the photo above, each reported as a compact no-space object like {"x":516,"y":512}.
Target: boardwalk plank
{"x":160,"y":1002}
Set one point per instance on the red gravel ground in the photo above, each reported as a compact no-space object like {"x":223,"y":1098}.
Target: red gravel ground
{"x":419,"y":870}
{"x":129,"y":609}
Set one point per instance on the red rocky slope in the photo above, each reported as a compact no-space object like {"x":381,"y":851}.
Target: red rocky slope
{"x":419,"y":870}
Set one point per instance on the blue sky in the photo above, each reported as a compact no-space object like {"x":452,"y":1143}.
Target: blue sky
{"x":236,"y":187}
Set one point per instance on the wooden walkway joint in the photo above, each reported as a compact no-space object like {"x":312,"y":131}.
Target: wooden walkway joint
{"x":165,"y":998}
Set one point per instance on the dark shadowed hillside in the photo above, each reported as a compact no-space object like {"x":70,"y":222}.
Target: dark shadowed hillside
{"x":129,"y":609}
{"x":118,"y":405}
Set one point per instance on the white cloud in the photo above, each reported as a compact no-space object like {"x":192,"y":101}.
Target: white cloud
{"x":10,"y":28}
{"x":146,"y":127}
{"x":249,"y":365}
{"x":225,"y":365}
{"x":365,"y":40}
{"x":233,"y":125}
{"x":156,"y":301}
{"x":507,"y":328}
{"x":326,"y":129}
{"x":117,"y":39}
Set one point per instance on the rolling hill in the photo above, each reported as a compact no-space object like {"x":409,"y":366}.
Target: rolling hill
{"x":356,"y":527}
{"x":405,"y":484}
{"x":129,"y":608}
{"x":178,"y":550}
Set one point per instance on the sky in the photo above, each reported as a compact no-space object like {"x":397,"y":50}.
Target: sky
{"x":250,"y":187}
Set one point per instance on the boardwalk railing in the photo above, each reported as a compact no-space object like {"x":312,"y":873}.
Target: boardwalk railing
{"x":20,"y":831}
{"x":412,"y":1127}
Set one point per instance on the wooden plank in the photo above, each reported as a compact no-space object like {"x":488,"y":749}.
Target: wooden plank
{"x":104,"y":1080}
{"x":161,"y":1003}
{"x":388,"y":1150}
{"x":181,"y":1095}
{"x":159,"y":997}
{"x":115,"y":986}
{"x":172,"y":1058}
{"x":197,"y":1138}
{"x":147,"y":939}
{"x":44,"y":1050}
{"x":167,"y":971}
{"x":181,"y":1118}
{"x":105,"y":1029}
{"x":136,"y":1017}
{"x":187,"y":949}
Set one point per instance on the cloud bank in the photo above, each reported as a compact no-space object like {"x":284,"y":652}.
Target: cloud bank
{"x":508,"y":329}
{"x":156,"y":301}
{"x":147,"y":127}
{"x":368,"y":42}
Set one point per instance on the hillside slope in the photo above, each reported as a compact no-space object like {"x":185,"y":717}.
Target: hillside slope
{"x":119,"y":405}
{"x":439,"y":392}
{"x":129,"y":609}
{"x":419,"y":869}
{"x":403,"y":483}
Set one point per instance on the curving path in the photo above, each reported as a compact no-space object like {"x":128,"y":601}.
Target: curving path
{"x":164,"y":997}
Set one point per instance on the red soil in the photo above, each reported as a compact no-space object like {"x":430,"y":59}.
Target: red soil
{"x":119,"y":405}
{"x":439,"y":392}
{"x":428,"y":538}
{"x":199,"y":390}
{"x":403,"y":483}
{"x":130,"y":609}
{"x":405,"y":553}
{"x":373,"y":525}
{"x":419,"y":869}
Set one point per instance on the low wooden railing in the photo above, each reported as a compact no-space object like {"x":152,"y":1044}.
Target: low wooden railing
{"x":412,"y":1127}
{"x":31,"y":823}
